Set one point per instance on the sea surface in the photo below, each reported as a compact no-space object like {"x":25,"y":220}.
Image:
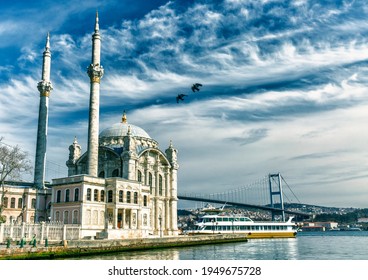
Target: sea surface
{"x":337,"y":245}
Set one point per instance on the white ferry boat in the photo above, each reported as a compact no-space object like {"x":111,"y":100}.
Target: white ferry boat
{"x":218,"y":223}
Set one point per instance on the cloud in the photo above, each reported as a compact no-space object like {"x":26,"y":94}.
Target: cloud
{"x":250,"y":137}
{"x":284,"y":83}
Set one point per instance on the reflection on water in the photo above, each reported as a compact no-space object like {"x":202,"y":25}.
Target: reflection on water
{"x":307,"y":246}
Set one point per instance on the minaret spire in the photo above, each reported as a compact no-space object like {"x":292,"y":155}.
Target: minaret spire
{"x":97,"y":27}
{"x":45,"y":88}
{"x":95,"y":73}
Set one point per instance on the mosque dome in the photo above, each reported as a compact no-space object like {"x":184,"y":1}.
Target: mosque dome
{"x":121,"y":129}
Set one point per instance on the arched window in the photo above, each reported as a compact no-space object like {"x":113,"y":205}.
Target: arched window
{"x":159,"y":185}
{"x":144,"y":200}
{"x":150,"y":181}
{"x":95,"y":217}
{"x":75,"y":217}
{"x":102,"y":218}
{"x":66,"y":217}
{"x":102,"y":196}
{"x":67,"y":195}
{"x":20,"y":203}
{"x":135,"y":198}
{"x":121,"y":194}
{"x":88,"y":194}
{"x":139,"y":176}
{"x":95,"y":195}
{"x":88,"y":217}
{"x":128,"y":197}
{"x":110,"y":196}
{"x":5,"y":202}
{"x":76,"y":194}
{"x":57,"y":216}
{"x":102,"y":174}
{"x":33,"y":203}
{"x":115,"y":173}
{"x":58,"y":196}
{"x":12,"y":202}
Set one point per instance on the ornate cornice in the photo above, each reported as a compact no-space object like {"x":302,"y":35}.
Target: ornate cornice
{"x":95,"y":72}
{"x":44,"y":88}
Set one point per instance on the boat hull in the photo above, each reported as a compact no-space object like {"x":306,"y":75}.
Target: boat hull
{"x":251,"y":235}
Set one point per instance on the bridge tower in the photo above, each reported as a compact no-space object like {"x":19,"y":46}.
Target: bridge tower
{"x":276,"y":196}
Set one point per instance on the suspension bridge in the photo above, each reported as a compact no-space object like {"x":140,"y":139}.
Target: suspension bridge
{"x":266,"y":194}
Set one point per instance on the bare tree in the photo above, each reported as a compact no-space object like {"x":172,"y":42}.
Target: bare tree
{"x":13,"y":163}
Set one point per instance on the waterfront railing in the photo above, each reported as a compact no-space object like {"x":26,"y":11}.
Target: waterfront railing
{"x":52,"y":232}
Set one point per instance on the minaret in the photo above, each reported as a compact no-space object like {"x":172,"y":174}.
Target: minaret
{"x":95,"y":73}
{"x":45,"y":88}
{"x":172,"y":155}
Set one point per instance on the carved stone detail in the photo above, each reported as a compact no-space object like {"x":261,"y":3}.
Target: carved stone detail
{"x":44,"y":88}
{"x":95,"y":72}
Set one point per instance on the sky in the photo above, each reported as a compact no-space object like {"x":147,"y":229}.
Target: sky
{"x":285,"y":87}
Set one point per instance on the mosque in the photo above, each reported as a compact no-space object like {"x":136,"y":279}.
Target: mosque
{"x":123,"y":186}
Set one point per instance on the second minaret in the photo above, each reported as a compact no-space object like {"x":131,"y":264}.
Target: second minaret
{"x":45,"y":88}
{"x":95,"y":73}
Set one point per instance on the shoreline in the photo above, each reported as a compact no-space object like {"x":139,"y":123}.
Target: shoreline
{"x":78,"y":248}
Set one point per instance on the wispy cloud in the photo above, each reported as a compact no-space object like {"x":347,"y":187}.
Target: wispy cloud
{"x":284,"y":82}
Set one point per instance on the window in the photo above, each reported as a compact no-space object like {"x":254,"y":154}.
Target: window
{"x":128,"y":197}
{"x":88,"y":194}
{"x":5,"y":202}
{"x":150,"y":182}
{"x":159,"y":185}
{"x":135,"y":198}
{"x":88,"y":217}
{"x":144,"y":200}
{"x":67,"y":195}
{"x":121,"y":193}
{"x":139,"y":176}
{"x":102,"y":196}
{"x":75,"y":217}
{"x":95,"y":195}
{"x":12,"y":202}
{"x":76,"y":194}
{"x":57,"y":216}
{"x":20,"y":203}
{"x":115,"y":173}
{"x":95,"y":217}
{"x":102,"y":174}
{"x":58,"y":196}
{"x":33,"y":203}
{"x":66,"y":217}
{"x":109,"y":196}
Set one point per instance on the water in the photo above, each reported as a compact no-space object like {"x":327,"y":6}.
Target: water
{"x":306,"y":246}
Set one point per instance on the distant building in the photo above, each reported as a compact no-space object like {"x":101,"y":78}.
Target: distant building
{"x":20,"y":203}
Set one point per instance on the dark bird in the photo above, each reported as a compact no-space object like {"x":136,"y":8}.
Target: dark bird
{"x":195,"y":87}
{"x":180,"y":97}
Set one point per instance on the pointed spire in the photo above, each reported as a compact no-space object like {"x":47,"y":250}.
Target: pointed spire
{"x":97,"y":27}
{"x":47,"y":46}
{"x":75,"y":140}
{"x":124,"y":118}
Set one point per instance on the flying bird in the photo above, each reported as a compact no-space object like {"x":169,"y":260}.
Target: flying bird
{"x":195,"y":87}
{"x":180,"y":97}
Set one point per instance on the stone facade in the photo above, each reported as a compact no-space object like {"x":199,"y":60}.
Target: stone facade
{"x":20,"y":203}
{"x":135,"y":194}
